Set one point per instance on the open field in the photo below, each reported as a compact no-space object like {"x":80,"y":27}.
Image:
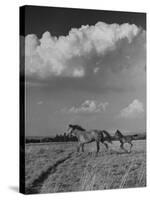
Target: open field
{"x":57,"y":167}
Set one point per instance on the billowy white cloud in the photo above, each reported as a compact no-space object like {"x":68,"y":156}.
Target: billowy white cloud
{"x":134,"y":110}
{"x":96,"y":69}
{"x":88,"y":106}
{"x":40,"y":102}
{"x":74,"y":54}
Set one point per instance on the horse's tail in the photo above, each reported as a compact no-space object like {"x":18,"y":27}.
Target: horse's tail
{"x":134,"y":136}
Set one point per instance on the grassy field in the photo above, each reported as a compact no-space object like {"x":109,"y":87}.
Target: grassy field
{"x":57,"y":167}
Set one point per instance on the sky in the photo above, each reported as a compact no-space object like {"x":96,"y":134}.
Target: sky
{"x":85,"y":67}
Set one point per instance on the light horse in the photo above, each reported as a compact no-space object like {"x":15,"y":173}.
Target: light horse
{"x":125,"y":139}
{"x":85,"y":137}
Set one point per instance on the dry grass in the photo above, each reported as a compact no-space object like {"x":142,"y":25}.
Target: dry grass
{"x":56,"y":167}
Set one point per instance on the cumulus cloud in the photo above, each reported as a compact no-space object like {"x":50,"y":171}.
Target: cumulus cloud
{"x":39,"y":102}
{"x":72,"y":55}
{"x":133,"y":110}
{"x":88,"y":106}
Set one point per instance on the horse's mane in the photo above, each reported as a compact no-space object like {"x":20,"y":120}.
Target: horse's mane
{"x":76,"y":127}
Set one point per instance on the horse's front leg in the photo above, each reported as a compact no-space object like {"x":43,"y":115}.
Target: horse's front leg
{"x":80,"y":147}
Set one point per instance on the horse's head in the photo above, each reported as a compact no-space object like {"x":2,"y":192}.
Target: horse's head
{"x":72,"y":128}
{"x":107,"y":136}
{"x":118,"y":133}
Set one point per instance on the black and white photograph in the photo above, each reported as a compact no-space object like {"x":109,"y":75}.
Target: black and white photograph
{"x":82,"y":99}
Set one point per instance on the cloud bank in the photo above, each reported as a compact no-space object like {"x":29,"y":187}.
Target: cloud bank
{"x":78,"y":53}
{"x":134,"y":110}
{"x":88,"y":106}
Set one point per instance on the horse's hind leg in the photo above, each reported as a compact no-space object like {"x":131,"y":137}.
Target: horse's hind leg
{"x":131,"y":145}
{"x":122,"y":147}
{"x":82,"y":147}
{"x":106,"y":145}
{"x":98,"y":147}
{"x":78,"y":148}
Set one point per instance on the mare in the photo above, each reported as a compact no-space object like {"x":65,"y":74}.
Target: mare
{"x":85,"y":137}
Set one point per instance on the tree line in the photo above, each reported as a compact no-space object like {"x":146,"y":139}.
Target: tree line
{"x":68,"y":138}
{"x":58,"y":138}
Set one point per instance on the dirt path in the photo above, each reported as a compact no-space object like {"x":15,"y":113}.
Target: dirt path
{"x":37,"y":183}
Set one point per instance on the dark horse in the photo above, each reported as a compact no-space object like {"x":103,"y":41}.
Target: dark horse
{"x":85,"y":137}
{"x":125,"y":139}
